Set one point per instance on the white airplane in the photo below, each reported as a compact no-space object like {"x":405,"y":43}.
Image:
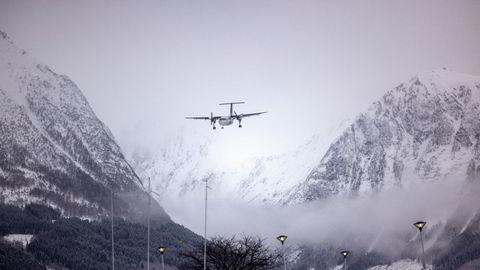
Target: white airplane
{"x":226,"y":120}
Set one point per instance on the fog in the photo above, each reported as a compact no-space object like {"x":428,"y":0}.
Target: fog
{"x":381,"y":222}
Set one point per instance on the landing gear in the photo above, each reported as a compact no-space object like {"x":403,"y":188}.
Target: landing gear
{"x":212,"y":121}
{"x":240,"y":126}
{"x":222,"y":127}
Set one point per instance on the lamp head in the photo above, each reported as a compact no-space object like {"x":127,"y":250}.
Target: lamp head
{"x":282,"y":238}
{"x":162,"y":249}
{"x":420,"y":225}
{"x":345,"y":253}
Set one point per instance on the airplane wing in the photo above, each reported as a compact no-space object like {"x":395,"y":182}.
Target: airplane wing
{"x":198,"y":118}
{"x":212,"y":118}
{"x":251,"y":114}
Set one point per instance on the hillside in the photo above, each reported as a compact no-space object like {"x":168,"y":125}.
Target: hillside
{"x":424,"y":130}
{"x":53,"y":148}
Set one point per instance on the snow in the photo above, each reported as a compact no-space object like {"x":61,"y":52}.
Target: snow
{"x":24,"y":239}
{"x":41,"y":130}
{"x":401,"y":265}
{"x":8,"y":73}
{"x":177,"y":167}
{"x":46,"y":115}
{"x":338,"y":267}
{"x":446,"y":80}
{"x":374,"y":242}
{"x":468,"y":222}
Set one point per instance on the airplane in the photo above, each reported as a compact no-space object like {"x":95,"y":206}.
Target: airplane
{"x":226,"y":120}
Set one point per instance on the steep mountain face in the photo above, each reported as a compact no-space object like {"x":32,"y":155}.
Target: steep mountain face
{"x":176,"y":168}
{"x":424,"y":130}
{"x":53,"y":148}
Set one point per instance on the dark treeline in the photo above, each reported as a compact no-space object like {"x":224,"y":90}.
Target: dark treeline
{"x":13,"y":258}
{"x":82,"y":244}
{"x":462,"y":247}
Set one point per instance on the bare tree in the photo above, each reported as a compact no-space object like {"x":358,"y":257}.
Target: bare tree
{"x":244,"y":253}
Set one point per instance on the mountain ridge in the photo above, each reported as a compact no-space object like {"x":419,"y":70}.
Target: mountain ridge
{"x":407,"y":132}
{"x":54,"y":150}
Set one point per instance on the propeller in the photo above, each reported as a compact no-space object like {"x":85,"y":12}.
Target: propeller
{"x":211,"y":118}
{"x":238,"y":116}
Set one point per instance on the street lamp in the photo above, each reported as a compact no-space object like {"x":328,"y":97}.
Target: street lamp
{"x":345,"y":253}
{"x":282,"y":239}
{"x":162,"y":250}
{"x":420,"y":225}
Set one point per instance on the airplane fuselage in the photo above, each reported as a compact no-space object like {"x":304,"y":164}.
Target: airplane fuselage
{"x":225,"y":121}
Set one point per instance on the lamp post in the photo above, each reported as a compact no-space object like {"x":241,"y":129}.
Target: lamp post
{"x":205,"y":235}
{"x":148,"y":223}
{"x":162,"y":250}
{"x":345,"y":253}
{"x":282,"y":239}
{"x":420,"y":225}
{"x":149,"y":192}
{"x":113,"y":242}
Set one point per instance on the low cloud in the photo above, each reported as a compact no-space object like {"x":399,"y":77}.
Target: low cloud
{"x":381,"y":222}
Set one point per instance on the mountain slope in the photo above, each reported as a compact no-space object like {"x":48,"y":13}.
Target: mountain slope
{"x":424,"y":130}
{"x":53,"y":148}
{"x":178,"y":168}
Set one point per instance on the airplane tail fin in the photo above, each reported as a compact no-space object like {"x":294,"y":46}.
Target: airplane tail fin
{"x":231,"y":105}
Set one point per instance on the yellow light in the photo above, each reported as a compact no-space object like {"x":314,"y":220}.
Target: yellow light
{"x":345,"y":253}
{"x":420,"y":224}
{"x":282,"y":238}
{"x":162,"y":249}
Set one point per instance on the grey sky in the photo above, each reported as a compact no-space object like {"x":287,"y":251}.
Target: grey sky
{"x":144,"y":65}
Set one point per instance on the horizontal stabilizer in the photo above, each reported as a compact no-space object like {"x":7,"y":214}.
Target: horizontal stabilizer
{"x":230,"y":103}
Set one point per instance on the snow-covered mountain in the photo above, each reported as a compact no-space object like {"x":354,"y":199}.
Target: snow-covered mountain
{"x":53,"y":148}
{"x":179,"y":167}
{"x":426,"y":129}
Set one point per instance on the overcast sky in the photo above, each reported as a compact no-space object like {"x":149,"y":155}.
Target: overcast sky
{"x":145,"y":65}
